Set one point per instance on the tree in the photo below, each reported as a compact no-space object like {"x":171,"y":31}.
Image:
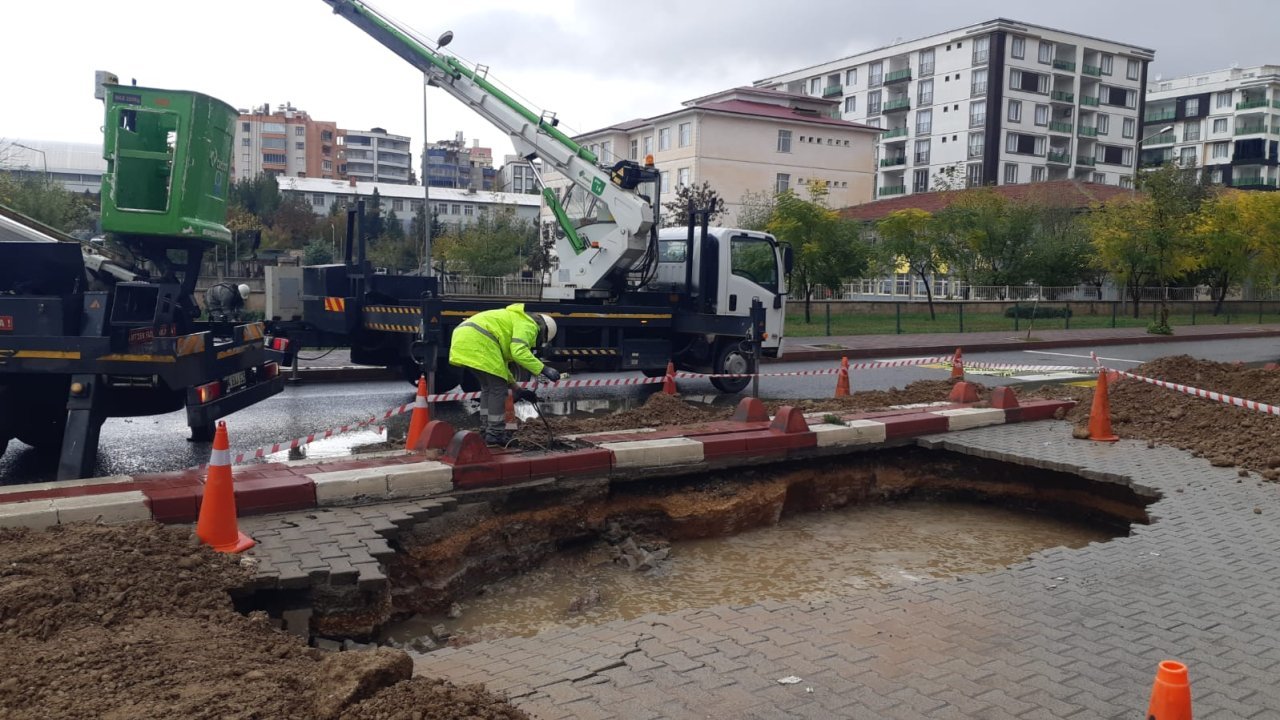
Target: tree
{"x":1238,"y":237}
{"x":1174,"y":195}
{"x":258,"y":196}
{"x":828,"y":250}
{"x":911,"y":236}
{"x":495,"y":244}
{"x":986,"y":238}
{"x":49,"y":203}
{"x":757,"y":209}
{"x":948,"y":178}
{"x":317,"y":252}
{"x":1120,"y":231}
{"x":1060,"y":251}
{"x":292,"y":224}
{"x":702,"y":197}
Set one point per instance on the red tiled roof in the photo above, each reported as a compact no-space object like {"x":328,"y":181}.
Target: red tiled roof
{"x":1061,"y":193}
{"x":744,"y":107}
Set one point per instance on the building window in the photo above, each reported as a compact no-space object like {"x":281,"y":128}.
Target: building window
{"x":317,"y":200}
{"x":1015,"y":111}
{"x":606,"y":150}
{"x":784,"y":141}
{"x":920,"y":181}
{"x":274,"y":158}
{"x":244,"y":142}
{"x":686,"y":134}
{"x":1103,"y":123}
{"x":977,"y":113}
{"x":648,"y":144}
{"x":851,"y":104}
{"x":1223,"y":100}
{"x":1220,"y":125}
{"x":873,"y":102}
{"x":1046,"y":52}
{"x":397,"y":205}
{"x":635,"y":149}
{"x":244,"y":127}
{"x":1018,"y":48}
{"x":273,"y":143}
{"x":1191,"y":131}
{"x":1020,"y":144}
{"x":815,"y":86}
{"x":1011,"y":174}
{"x":922,"y":152}
{"x":299,"y":146}
{"x":980,"y":46}
{"x":271,"y":127}
{"x":1187,"y":157}
{"x":924,"y":92}
{"x":1028,"y":81}
{"x":978,"y":86}
{"x":1126,"y":181}
{"x":682,"y":177}
{"x":1129,"y":128}
{"x":664,"y":139}
{"x":1134,"y":70}
{"x":851,"y":77}
{"x":977,"y":141}
{"x":299,"y":130}
{"x":973,"y":175}
{"x":1042,"y":115}
{"x":1100,"y":178}
{"x":1221,"y":150}
{"x":782,"y":183}
{"x":326,"y":165}
{"x":1106,"y":64}
{"x":1192,"y":108}
{"x":1037,"y":173}
{"x":924,"y":122}
{"x":875,"y":74}
{"x":926,"y":62}
{"x":468,"y":210}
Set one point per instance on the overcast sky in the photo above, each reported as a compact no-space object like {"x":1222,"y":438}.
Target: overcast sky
{"x":594,"y":63}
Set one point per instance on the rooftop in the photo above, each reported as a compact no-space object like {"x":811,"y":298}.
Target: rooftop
{"x":408,"y":192}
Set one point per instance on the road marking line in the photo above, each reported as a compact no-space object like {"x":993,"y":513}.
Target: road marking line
{"x":1089,"y":357}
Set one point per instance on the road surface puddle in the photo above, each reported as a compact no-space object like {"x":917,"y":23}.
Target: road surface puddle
{"x":804,"y":557}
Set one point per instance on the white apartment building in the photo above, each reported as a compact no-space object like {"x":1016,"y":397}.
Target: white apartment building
{"x":746,"y":140}
{"x":997,"y":103}
{"x":453,"y":207}
{"x":517,"y":176}
{"x":1226,"y":121}
{"x":378,"y":157}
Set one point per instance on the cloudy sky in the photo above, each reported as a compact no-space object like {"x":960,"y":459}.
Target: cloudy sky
{"x":592,"y":63}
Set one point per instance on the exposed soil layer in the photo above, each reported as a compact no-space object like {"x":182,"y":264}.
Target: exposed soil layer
{"x":136,"y":621}
{"x":1225,"y":434}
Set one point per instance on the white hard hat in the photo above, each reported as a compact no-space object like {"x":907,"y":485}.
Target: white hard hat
{"x":244,"y":291}
{"x":550,"y":324}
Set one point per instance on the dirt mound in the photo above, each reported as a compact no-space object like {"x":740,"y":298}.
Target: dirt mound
{"x":1225,"y":434}
{"x":659,"y":409}
{"x":135,"y":621}
{"x":920,"y":391}
{"x":431,"y":699}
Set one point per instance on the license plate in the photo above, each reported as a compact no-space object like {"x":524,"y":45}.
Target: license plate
{"x":139,"y":336}
{"x":6,"y":322}
{"x":234,"y":381}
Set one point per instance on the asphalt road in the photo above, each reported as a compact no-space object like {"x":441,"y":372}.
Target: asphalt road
{"x":155,"y":444}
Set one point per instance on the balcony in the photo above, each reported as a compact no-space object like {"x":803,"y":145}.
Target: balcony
{"x":1061,"y":158}
{"x":894,"y":133}
{"x":1251,"y":130}
{"x":897,"y":76}
{"x":1090,"y":162}
{"x":894,"y":190}
{"x":1252,"y":181}
{"x":1093,"y":70}
{"x":1064,"y":65}
{"x":1087,"y":101}
{"x":1251,"y":104}
{"x":1062,"y":97}
{"x":1086,"y":131}
{"x":1060,"y":127}
{"x":1162,"y":139}
{"x":893,"y":161}
{"x":1162,"y":116}
{"x":897,"y":105}
{"x":833,"y":91}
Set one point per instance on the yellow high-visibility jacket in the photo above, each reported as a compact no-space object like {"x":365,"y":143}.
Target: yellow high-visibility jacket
{"x":490,"y":340}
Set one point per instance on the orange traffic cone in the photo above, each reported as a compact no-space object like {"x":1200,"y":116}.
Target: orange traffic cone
{"x":1171,"y":693}
{"x":1100,"y":412}
{"x":957,"y":365}
{"x":842,"y":379}
{"x":421,"y":416}
{"x":509,"y":414}
{"x":669,"y":382}
{"x":217,"y":526}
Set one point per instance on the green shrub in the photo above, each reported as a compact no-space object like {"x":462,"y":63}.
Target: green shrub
{"x":1158,"y":328}
{"x":1026,"y":312}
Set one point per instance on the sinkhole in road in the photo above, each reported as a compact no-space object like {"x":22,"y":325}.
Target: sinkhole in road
{"x":861,"y":524}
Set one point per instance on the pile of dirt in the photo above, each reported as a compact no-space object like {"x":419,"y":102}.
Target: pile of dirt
{"x":920,"y":391}
{"x":658,"y":410}
{"x":136,"y":621}
{"x":1224,"y":434}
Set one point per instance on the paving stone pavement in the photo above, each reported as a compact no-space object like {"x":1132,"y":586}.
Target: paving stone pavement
{"x":337,"y":546}
{"x":1066,"y":634}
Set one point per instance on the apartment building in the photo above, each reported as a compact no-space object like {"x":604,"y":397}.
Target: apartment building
{"x":454,"y":164}
{"x":516,"y":176}
{"x":286,"y":143}
{"x":997,"y":103}
{"x":1226,"y":121}
{"x":376,"y":156}
{"x":746,"y":140}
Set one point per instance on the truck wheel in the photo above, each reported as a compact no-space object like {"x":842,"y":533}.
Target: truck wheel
{"x":732,"y":360}
{"x":202,"y":433}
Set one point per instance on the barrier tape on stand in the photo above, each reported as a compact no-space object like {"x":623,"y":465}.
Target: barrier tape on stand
{"x":1041,"y":368}
{"x":1197,"y":392}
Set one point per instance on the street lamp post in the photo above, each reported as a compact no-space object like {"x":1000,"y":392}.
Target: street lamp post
{"x":44,"y":160}
{"x":445,"y":38}
{"x":1138,"y":160}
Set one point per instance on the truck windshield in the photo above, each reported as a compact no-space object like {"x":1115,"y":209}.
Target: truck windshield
{"x":755,"y":260}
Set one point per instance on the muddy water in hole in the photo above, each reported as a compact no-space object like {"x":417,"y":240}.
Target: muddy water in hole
{"x":855,"y":550}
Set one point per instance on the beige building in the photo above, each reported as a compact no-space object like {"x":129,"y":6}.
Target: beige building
{"x":747,"y":140}
{"x":286,"y":143}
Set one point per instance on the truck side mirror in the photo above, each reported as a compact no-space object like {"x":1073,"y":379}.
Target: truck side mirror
{"x":788,"y":259}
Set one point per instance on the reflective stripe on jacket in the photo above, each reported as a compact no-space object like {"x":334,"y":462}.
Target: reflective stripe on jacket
{"x":490,"y":340}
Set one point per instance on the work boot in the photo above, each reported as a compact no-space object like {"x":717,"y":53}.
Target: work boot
{"x":497,"y":436}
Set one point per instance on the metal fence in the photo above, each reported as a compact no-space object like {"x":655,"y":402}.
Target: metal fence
{"x":480,"y":286}
{"x":911,"y":289}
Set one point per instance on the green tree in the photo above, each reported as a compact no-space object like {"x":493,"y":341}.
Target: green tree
{"x":1060,"y":251}
{"x":1121,"y":231}
{"x":702,"y":197}
{"x":317,"y":252}
{"x":1174,"y":197}
{"x":756,"y":210}
{"x":258,"y":196}
{"x":911,"y":237}
{"x":50,"y":203}
{"x":828,"y":251}
{"x":292,"y":224}
{"x":495,"y":244}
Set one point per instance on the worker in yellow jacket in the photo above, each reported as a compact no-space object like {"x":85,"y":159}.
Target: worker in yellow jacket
{"x":487,"y":344}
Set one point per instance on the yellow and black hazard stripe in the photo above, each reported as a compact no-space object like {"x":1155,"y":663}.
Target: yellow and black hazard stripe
{"x":392,"y":309}
{"x":390,"y":327}
{"x":335,"y":304}
{"x":583,"y":352}
{"x":252,"y":331}
{"x":189,"y":344}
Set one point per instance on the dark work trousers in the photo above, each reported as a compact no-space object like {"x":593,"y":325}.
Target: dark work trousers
{"x":493,"y":400}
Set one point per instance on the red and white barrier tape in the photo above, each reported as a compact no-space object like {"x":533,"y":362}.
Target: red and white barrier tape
{"x":1197,"y":392}
{"x":1041,"y":368}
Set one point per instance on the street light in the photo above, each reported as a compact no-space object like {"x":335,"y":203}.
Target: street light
{"x":445,"y":38}
{"x":1138,"y":163}
{"x":44,"y":160}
